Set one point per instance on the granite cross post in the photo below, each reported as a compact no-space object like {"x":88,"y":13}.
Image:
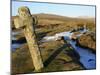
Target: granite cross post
{"x":25,"y":22}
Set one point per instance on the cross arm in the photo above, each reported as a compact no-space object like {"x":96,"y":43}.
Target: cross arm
{"x":18,"y":22}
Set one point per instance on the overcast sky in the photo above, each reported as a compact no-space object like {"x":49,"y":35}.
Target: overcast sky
{"x":58,"y":9}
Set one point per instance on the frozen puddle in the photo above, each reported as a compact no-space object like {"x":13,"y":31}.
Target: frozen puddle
{"x":15,"y":46}
{"x":87,"y":58}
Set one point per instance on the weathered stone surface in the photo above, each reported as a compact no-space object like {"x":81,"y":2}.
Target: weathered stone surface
{"x":25,"y":21}
{"x":87,"y":41}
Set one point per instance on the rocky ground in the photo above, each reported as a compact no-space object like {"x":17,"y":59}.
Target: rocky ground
{"x":88,"y":40}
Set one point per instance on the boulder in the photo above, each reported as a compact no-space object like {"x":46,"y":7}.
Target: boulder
{"x":87,"y":41}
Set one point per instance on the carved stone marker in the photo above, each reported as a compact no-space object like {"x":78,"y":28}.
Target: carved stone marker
{"x":25,"y":21}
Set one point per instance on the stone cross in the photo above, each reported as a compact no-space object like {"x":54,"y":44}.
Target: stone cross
{"x":25,"y":22}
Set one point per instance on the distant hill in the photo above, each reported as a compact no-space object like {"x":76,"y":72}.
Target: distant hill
{"x":86,"y":17}
{"x":52,"y":19}
{"x":58,"y":17}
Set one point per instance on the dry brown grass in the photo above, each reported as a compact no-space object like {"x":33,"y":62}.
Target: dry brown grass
{"x":50,"y":25}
